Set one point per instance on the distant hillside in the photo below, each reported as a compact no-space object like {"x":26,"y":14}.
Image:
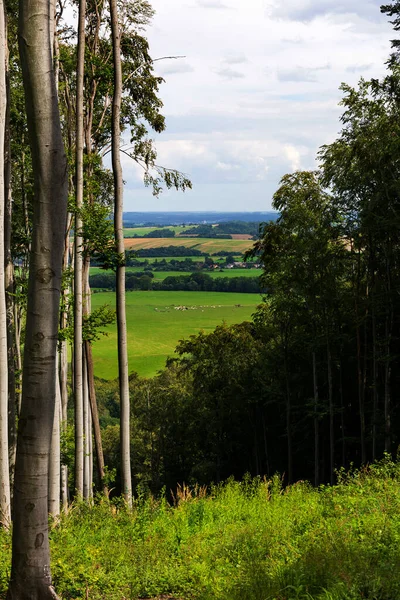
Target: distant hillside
{"x":132,"y":219}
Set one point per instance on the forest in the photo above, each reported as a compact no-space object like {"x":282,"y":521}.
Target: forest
{"x":262,"y":460}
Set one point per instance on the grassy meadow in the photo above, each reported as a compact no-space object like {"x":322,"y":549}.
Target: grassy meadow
{"x":130,"y":231}
{"x":252,"y":540}
{"x":155,"y":325}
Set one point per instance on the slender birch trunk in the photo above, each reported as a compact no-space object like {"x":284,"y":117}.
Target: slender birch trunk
{"x":126,"y":481}
{"x":30,"y":571}
{"x":78,"y":286}
{"x":9,"y":287}
{"x":5,"y":508}
{"x":95,"y":418}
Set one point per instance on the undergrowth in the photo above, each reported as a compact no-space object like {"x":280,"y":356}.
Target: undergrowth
{"x":251,"y":540}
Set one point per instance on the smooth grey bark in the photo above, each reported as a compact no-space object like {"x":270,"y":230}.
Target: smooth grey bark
{"x":5,"y":509}
{"x":55,"y":457}
{"x":9,"y":287}
{"x":30,"y":571}
{"x":78,"y":285}
{"x":126,"y":479}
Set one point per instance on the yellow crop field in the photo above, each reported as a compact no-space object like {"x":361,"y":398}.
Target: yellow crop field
{"x":203,"y":244}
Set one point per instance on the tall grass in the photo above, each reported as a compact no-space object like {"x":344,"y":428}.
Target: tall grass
{"x":241,"y":541}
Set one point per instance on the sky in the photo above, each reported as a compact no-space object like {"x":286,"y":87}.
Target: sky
{"x":255,"y":95}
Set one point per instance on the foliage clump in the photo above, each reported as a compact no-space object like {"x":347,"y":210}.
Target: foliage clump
{"x":252,"y":539}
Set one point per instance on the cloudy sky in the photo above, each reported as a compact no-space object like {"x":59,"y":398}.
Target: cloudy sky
{"x":256,"y":94}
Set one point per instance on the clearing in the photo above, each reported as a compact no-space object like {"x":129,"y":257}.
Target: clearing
{"x":156,"y":324}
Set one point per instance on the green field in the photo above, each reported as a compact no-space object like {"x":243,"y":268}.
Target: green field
{"x":161,"y":275}
{"x":131,"y":231}
{"x":155,"y":325}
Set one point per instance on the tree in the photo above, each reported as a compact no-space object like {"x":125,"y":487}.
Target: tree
{"x":126,"y":478}
{"x":30,"y":572}
{"x":361,"y":167}
{"x":78,"y":251}
{"x":5,"y":512}
{"x":302,"y":254}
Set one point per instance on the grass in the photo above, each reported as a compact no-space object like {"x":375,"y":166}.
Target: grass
{"x":203,"y":244}
{"x":129,"y":231}
{"x":161,"y":275}
{"x":155,"y":327}
{"x":240,"y":541}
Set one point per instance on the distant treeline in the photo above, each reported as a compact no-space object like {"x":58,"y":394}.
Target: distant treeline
{"x":224,"y":230}
{"x":156,"y":233}
{"x":163,"y":251}
{"x":195,"y":282}
{"x":162,"y":219}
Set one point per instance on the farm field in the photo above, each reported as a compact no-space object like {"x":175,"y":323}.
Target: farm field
{"x":161,"y":275}
{"x":155,"y":325}
{"x":129,"y":231}
{"x":203,"y":244}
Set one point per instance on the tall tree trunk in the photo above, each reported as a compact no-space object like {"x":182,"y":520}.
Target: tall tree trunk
{"x":316,"y":421}
{"x":387,"y":396}
{"x":95,"y":418}
{"x":266,"y":454}
{"x":361,"y":389}
{"x":9,"y":287}
{"x":4,"y":459}
{"x":331,"y":412}
{"x":342,"y":416}
{"x":388,"y":365}
{"x":78,"y":285}
{"x":126,"y":480}
{"x":30,"y":571}
{"x":288,"y":410}
{"x":374,"y":383}
{"x":86,"y":435}
{"x":18,"y":356}
{"x":63,"y":365}
{"x":55,"y":457}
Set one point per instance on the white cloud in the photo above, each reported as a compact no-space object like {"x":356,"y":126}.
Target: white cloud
{"x":358,"y":68}
{"x":228,"y":73}
{"x":235,"y":59}
{"x":175,"y":67}
{"x":294,"y":157}
{"x":257,"y":93}
{"x":307,"y":10}
{"x":300,"y":73}
{"x":211,"y":4}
